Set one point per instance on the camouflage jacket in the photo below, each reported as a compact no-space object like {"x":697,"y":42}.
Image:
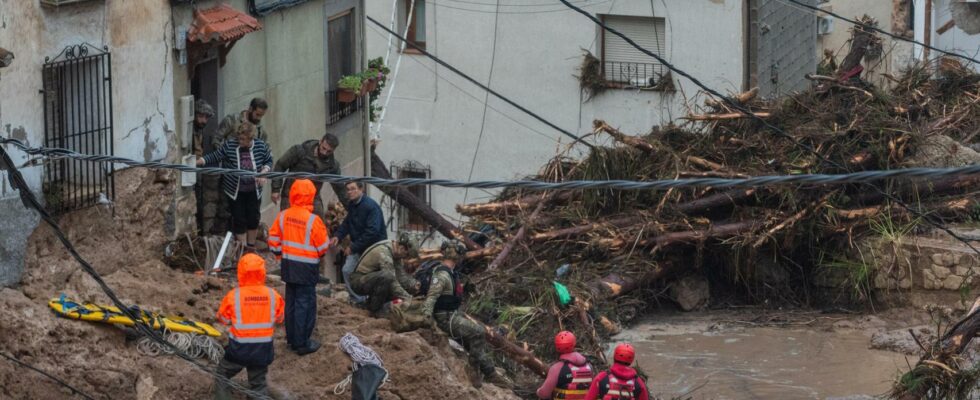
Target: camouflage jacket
{"x":302,"y":158}
{"x":229,"y":127}
{"x":441,"y":284}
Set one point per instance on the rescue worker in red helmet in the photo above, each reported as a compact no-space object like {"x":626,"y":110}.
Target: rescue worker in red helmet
{"x":251,"y":310}
{"x":620,"y":381}
{"x":568,"y":378}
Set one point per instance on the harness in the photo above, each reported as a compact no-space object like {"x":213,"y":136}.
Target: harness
{"x":450,"y":302}
{"x":573,"y":382}
{"x":619,"y":388}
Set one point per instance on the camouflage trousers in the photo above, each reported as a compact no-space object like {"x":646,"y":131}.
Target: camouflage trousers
{"x":379,"y":286}
{"x":471,"y":334}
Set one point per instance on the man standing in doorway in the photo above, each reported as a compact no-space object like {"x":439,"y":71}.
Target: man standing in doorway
{"x":256,"y":110}
{"x":203,"y":112}
{"x":312,"y":156}
{"x":366,"y":226}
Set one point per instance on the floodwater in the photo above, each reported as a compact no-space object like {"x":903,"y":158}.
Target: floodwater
{"x":692,"y":354}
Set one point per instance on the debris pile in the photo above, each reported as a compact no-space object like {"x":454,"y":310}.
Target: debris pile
{"x":604,"y":244}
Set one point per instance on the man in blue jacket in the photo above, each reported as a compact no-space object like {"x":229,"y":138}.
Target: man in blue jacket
{"x":365,"y":224}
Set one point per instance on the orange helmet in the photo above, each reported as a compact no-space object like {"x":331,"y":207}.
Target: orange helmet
{"x":565,"y":342}
{"x":624,"y":353}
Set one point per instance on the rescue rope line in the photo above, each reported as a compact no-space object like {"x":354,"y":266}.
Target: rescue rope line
{"x":361,"y":355}
{"x":73,"y":389}
{"x":662,"y":184}
{"x":195,"y":345}
{"x":31,"y":202}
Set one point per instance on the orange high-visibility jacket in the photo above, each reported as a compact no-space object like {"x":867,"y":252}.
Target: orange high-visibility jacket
{"x":251,"y":310}
{"x":298,"y":237}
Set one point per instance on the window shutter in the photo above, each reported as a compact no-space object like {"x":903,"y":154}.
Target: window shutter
{"x":649,"y":33}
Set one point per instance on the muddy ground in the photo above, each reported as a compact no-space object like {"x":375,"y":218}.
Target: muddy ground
{"x":126,"y":248}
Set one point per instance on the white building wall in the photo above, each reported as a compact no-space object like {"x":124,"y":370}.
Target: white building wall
{"x":435,"y":116}
{"x":137,"y":36}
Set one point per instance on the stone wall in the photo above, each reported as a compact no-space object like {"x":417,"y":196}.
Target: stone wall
{"x":911,"y":270}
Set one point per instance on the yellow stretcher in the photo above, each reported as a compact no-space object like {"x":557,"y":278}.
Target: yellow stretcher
{"x":112,"y":315}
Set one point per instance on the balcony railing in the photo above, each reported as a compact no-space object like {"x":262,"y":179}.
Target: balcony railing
{"x":337,"y":111}
{"x":633,"y":74}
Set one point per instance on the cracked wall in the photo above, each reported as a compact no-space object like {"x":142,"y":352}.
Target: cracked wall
{"x":136,"y":35}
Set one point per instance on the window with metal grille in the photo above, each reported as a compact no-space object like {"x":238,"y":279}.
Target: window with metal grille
{"x":624,"y":64}
{"x":409,"y":220}
{"x":341,"y":59}
{"x":77,"y":92}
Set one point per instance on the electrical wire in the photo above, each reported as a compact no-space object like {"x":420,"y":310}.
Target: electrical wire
{"x":548,"y":11}
{"x":470,"y":95}
{"x":879,"y":30}
{"x":663,"y":184}
{"x":31,"y":202}
{"x":779,"y":132}
{"x":486,"y":99}
{"x":73,"y":389}
{"x":475,"y":82}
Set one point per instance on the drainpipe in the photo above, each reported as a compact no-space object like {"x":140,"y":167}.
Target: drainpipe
{"x":927,"y":31}
{"x":366,"y":110}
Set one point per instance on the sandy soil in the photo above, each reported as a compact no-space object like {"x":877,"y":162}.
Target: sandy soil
{"x":126,"y":249}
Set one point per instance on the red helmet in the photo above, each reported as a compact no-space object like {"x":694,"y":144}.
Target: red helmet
{"x":565,"y":342}
{"x":624,"y":353}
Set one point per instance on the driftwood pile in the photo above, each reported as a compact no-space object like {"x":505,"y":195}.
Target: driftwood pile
{"x":605,"y":244}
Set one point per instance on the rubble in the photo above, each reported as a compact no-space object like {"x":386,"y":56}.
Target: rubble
{"x":127,"y":250}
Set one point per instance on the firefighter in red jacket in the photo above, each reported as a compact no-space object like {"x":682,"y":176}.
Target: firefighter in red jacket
{"x":251,"y":311}
{"x":299,"y":238}
{"x":570,"y":377}
{"x":620,"y":381}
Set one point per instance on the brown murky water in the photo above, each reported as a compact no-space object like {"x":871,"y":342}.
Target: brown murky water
{"x":691,"y":353}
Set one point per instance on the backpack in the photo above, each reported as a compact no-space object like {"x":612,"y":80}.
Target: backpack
{"x":424,"y":276}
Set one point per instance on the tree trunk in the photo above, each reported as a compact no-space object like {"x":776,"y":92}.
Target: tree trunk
{"x":502,"y":207}
{"x":920,"y":189}
{"x":717,"y":201}
{"x":672,"y":238}
{"x":517,"y":353}
{"x":721,"y":117}
{"x":953,"y":344}
{"x":410,"y":201}
{"x":518,"y":237}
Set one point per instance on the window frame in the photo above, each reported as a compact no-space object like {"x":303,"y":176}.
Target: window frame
{"x":409,"y":221}
{"x":658,"y":73}
{"x":412,"y":25}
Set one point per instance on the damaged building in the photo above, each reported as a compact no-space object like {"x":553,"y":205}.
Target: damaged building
{"x":121,"y":77}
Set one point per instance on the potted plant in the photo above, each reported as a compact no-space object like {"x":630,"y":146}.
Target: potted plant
{"x":348,"y":88}
{"x":370,"y":81}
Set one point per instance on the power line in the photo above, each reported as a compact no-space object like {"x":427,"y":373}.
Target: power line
{"x":73,"y":389}
{"x":484,"y":87}
{"x":31,"y":202}
{"x":734,"y":105}
{"x":486,"y":101}
{"x":470,"y":95}
{"x":444,"y":5}
{"x":881,"y":31}
{"x":663,"y":184}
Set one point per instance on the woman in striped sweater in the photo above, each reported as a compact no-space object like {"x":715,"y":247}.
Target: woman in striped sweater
{"x":247,"y":152}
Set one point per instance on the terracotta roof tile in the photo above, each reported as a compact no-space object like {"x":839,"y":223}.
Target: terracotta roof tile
{"x":222,"y":23}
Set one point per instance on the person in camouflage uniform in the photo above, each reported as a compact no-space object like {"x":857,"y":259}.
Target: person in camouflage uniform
{"x":442,"y":303}
{"x":203,"y":112}
{"x":315,"y":157}
{"x":380,"y":275}
{"x":256,"y":110}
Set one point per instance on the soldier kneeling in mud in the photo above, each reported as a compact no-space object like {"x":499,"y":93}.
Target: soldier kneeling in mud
{"x":442,"y":302}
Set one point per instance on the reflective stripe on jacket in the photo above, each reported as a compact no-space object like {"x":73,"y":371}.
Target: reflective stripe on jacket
{"x":251,"y":311}
{"x":298,"y":237}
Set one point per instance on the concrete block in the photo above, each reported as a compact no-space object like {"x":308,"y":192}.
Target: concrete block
{"x":13,"y":247}
{"x":940,"y":272}
{"x":905,"y":283}
{"x":937,"y":259}
{"x":949,"y":259}
{"x":961,"y":271}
